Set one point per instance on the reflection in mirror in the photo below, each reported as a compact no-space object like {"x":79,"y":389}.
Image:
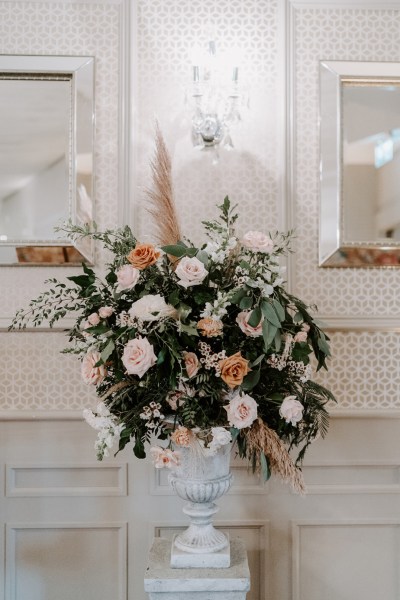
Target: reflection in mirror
{"x":46,"y":157}
{"x":360,"y":164}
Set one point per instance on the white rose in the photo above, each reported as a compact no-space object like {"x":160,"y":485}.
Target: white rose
{"x":127,"y":277}
{"x":151,"y":308}
{"x":220,"y":437}
{"x":241,"y":411}
{"x":163,"y":457}
{"x":190,"y":271}
{"x":242,"y":320}
{"x":138,"y":356}
{"x":291,"y":410}
{"x":258,"y":242}
{"x":106,"y":311}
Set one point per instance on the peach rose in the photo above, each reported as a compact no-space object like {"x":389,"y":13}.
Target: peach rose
{"x":258,"y":242}
{"x":90,"y":373}
{"x":301,"y":336}
{"x":181,"y":436}
{"x":241,"y":411}
{"x":163,"y":457}
{"x":210,"y":327}
{"x":233,"y":369}
{"x":242,"y":320}
{"x":93,"y":319}
{"x":192,"y":364}
{"x":138,"y":356}
{"x":127,"y":277}
{"x":143,"y":255}
{"x":106,"y":311}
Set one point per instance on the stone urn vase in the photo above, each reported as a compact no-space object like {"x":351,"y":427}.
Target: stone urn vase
{"x":201,"y":478}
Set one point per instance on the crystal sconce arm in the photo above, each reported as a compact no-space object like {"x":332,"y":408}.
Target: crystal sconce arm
{"x":216,"y":99}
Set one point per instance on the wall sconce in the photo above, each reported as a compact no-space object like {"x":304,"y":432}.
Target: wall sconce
{"x":216,"y":98}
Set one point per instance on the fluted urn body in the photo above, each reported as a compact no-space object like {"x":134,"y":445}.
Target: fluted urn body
{"x":201,"y":479}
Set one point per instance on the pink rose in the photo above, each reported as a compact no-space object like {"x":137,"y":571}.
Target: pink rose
{"x":301,"y":336}
{"x":138,"y":356}
{"x":258,"y":242}
{"x":93,"y":319}
{"x":242,"y":320}
{"x":106,"y":311}
{"x":163,"y":457}
{"x":190,"y":271}
{"x":241,"y":411}
{"x":127,"y":277}
{"x":90,"y":373}
{"x":192,"y":364}
{"x":291,"y":410}
{"x":305,"y":327}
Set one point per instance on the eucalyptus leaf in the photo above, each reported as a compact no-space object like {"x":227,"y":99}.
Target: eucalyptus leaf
{"x":255,"y":317}
{"x":280,"y":311}
{"x":246,"y":303}
{"x":108,"y":350}
{"x":269,"y":313}
{"x":269,"y":332}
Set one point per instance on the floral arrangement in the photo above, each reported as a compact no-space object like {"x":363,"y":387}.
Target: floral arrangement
{"x":186,"y":342}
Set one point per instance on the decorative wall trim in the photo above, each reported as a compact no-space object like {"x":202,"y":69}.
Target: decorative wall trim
{"x":16,"y":487}
{"x":360,"y":323}
{"x":391,"y":467}
{"x":10,"y":548}
{"x":76,"y":415}
{"x":296,"y":541}
{"x":41,"y":415}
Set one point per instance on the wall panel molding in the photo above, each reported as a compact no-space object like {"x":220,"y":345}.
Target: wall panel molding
{"x":34,"y":480}
{"x":19,"y":550}
{"x":390,"y":528}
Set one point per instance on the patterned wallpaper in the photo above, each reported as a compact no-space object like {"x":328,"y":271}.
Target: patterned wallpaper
{"x":363,"y":372}
{"x":32,"y":372}
{"x":248,"y":174}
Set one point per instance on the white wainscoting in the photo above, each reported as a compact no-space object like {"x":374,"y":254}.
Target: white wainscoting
{"x":68,"y":522}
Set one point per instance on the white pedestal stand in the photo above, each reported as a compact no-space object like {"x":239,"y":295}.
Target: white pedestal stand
{"x":162,"y":582}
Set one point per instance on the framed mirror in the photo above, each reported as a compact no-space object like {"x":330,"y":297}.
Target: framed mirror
{"x":360,"y":164}
{"x":46,"y":157}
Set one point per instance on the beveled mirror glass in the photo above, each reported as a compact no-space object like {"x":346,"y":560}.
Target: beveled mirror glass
{"x":360,"y":164}
{"x":46,"y":157}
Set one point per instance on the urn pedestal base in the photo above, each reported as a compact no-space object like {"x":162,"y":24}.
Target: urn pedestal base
{"x":163,"y":583}
{"x":181,"y":559}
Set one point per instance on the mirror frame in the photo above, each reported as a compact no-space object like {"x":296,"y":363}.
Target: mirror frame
{"x":334,"y":249}
{"x":80,"y":69}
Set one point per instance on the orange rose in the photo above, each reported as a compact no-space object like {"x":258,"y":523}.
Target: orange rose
{"x":210,"y":327}
{"x":181,"y":436}
{"x":233,"y":369}
{"x":143,"y":255}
